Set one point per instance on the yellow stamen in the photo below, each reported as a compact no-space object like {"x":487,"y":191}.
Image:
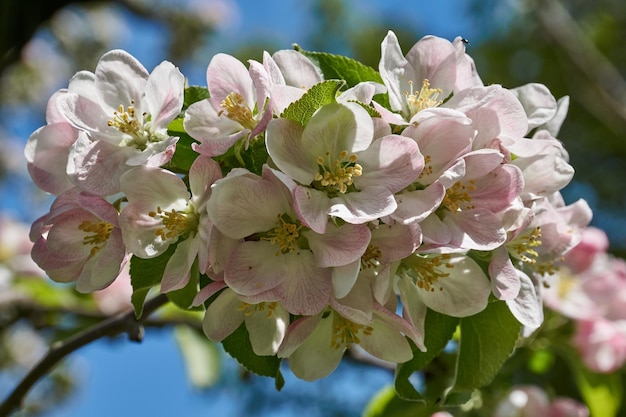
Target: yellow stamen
{"x":285,"y":235}
{"x":338,"y":175}
{"x":99,"y":234}
{"x":370,"y":258}
{"x":236,"y":109}
{"x":523,"y":245}
{"x":175,"y":223}
{"x":425,"y":271}
{"x":249,"y":309}
{"x":424,"y":99}
{"x":346,"y":332}
{"x":458,"y":196}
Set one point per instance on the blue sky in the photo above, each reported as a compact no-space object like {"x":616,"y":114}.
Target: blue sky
{"x":121,"y":378}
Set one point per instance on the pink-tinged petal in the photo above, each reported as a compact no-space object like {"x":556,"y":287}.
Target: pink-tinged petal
{"x":492,"y":106}
{"x":82,"y":83}
{"x":538,"y":102}
{"x":226,"y":75}
{"x":336,"y":128}
{"x":272,"y":69}
{"x":482,"y":162}
{"x":363,"y":92}
{"x":246,"y":204}
{"x":155,"y":187}
{"x":97,"y":166}
{"x":266,"y":117}
{"x":216,"y":134}
{"x":433,"y":58}
{"x":99,"y":207}
{"x":435,"y":232}
{"x":262,"y":83}
{"x":178,"y":269}
{"x":147,"y":189}
{"x":344,"y":277}
{"x":358,"y":305}
{"x":297,"y":70}
{"x":314,"y":359}
{"x":339,"y":245}
{"x":366,"y":205}
{"x":282,"y":96}
{"x":476,"y":229}
{"x":391,"y":69}
{"x":207,"y":292}
{"x":59,"y":270}
{"x":164,"y":94}
{"x":414,"y":310}
{"x":312,"y":207}
{"x":46,"y":152}
{"x":388,"y":116}
{"x":386,"y":340}
{"x":505,"y":282}
{"x":297,"y":333}
{"x":394,"y":161}
{"x":464,"y":292}
{"x":89,"y":116}
{"x":203,"y":173}
{"x":105,"y":266}
{"x":267,"y":330}
{"x":306,"y":288}
{"x":254,"y":268}
{"x":431,"y":133}
{"x":121,"y":79}
{"x":285,"y":147}
{"x":65,"y":238}
{"x":223,"y":316}
{"x":415,"y":206}
{"x":396,"y":241}
{"x":499,"y":188}
{"x":527,"y":307}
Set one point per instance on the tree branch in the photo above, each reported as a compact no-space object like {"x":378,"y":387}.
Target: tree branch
{"x":113,"y":326}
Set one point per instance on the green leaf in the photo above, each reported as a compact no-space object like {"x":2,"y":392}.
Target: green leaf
{"x":487,"y":340}
{"x":184,"y":155}
{"x":145,"y":274}
{"x":602,"y":392}
{"x":317,"y":96}
{"x":202,"y":357}
{"x":239,"y":347}
{"x":387,"y":404}
{"x":341,"y":67}
{"x":193,"y":94}
{"x":438,"y":330}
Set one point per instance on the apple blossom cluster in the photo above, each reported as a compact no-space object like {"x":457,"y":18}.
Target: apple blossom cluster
{"x":591,"y":290}
{"x":317,"y":205}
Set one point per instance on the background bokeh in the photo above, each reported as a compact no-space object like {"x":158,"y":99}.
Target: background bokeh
{"x":575,"y":47}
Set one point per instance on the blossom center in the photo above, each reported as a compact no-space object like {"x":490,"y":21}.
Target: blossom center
{"x":423,"y":99}
{"x":458,"y":196}
{"x":235,"y":108}
{"x":346,"y":332}
{"x":249,"y":309}
{"x":337,"y":175}
{"x":175,"y":223}
{"x":125,"y":120}
{"x":370,"y":258}
{"x":286,"y":235}
{"x":97,"y":234}
{"x":524,"y":244}
{"x":425,"y":271}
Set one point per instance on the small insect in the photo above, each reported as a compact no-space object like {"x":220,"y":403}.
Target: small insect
{"x":465,"y":41}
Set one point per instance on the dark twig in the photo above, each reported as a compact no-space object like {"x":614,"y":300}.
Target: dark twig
{"x":113,"y":326}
